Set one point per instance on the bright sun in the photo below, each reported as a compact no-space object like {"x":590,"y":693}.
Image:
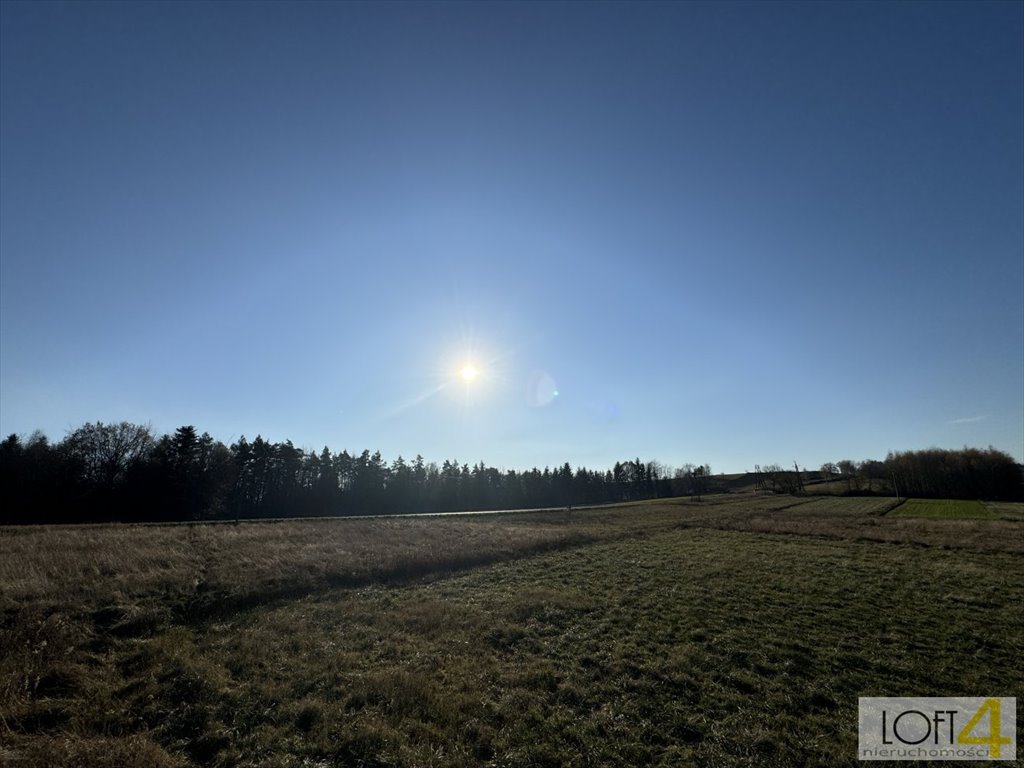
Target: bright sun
{"x":469,"y":372}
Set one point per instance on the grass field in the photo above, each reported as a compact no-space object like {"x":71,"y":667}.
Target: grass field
{"x":948,"y":509}
{"x":732,"y":632}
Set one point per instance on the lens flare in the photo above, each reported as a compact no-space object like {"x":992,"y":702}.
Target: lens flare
{"x":469,"y":373}
{"x":541,"y":389}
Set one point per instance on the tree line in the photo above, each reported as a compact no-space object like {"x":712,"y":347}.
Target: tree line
{"x":936,"y":473}
{"x":967,"y":473}
{"x":123,"y":472}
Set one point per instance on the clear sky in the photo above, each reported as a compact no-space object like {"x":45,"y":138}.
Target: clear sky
{"x":722,"y":233}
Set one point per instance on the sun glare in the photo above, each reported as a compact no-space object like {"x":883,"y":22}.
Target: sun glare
{"x":469,"y":373}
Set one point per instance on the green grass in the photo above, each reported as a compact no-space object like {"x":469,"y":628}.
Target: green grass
{"x":944,"y":509}
{"x":732,"y":632}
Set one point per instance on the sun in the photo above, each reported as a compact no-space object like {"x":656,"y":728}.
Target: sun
{"x":469,"y":373}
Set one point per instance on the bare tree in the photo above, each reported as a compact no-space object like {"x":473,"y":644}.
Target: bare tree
{"x":700,"y":479}
{"x":849,"y":470}
{"x":105,"y":452}
{"x":769,"y":478}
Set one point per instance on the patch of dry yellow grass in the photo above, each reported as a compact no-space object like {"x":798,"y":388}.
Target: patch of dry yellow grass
{"x":101,"y":565}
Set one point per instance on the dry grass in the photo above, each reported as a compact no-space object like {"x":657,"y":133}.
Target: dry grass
{"x":679,"y":648}
{"x":85,"y":562}
{"x":1006,"y":510}
{"x":630,"y":635}
{"x":68,"y":592}
{"x":845,"y":518}
{"x":194,"y":567}
{"x":95,"y":752}
{"x":101,"y":565}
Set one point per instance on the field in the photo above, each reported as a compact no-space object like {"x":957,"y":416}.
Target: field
{"x":735,"y":631}
{"x":952,"y":509}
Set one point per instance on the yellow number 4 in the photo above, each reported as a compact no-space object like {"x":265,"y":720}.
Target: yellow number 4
{"x":995,"y":739}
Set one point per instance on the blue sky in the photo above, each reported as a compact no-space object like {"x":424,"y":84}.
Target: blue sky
{"x":723,"y":233}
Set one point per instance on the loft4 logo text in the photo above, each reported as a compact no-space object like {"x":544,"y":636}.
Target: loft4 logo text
{"x":937,"y":728}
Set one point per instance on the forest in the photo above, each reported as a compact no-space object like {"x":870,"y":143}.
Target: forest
{"x":123,"y":472}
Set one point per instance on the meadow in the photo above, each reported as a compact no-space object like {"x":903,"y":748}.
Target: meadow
{"x":738,"y":630}
{"x":955,"y":509}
